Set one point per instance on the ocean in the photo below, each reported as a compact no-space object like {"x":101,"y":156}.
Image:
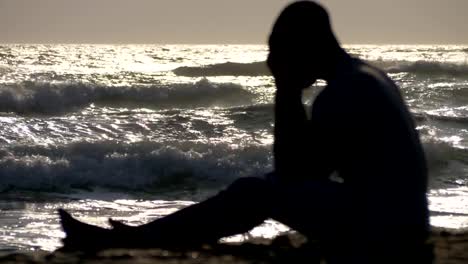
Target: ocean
{"x":135,"y":132}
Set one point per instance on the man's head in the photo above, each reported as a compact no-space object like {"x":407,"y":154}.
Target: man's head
{"x":302,"y":43}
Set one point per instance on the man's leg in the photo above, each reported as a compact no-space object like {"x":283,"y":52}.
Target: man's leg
{"x":318,"y":209}
{"x":314,"y":208}
{"x":239,"y":208}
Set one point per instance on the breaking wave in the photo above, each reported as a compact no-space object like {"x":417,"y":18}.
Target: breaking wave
{"x":140,"y":166}
{"x":48,"y":98}
{"x":153,"y":166}
{"x":424,"y":67}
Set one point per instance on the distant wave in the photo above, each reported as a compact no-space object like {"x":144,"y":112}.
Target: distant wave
{"x":49,"y":98}
{"x":463,"y":120}
{"x":424,"y":67}
{"x":139,"y":166}
{"x":224,"y":69}
{"x":260,"y":68}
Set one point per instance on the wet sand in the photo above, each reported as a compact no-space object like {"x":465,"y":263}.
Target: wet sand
{"x":450,"y":247}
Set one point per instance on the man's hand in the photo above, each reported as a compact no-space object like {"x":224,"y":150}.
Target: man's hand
{"x":290,"y":118}
{"x":289,"y":78}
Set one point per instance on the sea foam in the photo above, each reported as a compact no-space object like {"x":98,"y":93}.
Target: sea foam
{"x":153,"y":166}
{"x":139,"y":166}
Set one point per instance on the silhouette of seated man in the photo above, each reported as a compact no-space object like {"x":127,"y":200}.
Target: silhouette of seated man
{"x":359,"y":129}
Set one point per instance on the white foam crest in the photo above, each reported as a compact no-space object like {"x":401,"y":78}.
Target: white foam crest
{"x":45,"y":97}
{"x":141,"y":166}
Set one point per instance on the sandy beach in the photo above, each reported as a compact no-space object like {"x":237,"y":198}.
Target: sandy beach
{"x":450,"y":247}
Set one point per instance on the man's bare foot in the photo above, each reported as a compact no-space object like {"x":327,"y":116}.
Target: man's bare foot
{"x":85,"y":237}
{"x":119,"y":225}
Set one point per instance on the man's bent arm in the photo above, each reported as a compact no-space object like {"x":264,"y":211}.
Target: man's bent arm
{"x":289,"y":133}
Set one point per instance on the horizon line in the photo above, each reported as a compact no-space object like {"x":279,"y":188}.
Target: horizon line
{"x":212,"y":44}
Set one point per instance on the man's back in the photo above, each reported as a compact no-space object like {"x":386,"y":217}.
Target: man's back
{"x":363,"y":131}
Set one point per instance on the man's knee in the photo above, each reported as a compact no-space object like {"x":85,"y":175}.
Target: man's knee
{"x":249,"y":185}
{"x":250,"y":189}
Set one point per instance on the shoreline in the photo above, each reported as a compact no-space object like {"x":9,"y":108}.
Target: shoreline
{"x":450,"y":247}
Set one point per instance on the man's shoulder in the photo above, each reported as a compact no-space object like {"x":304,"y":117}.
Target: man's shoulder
{"x":361,"y":79}
{"x":361,"y":85}
{"x":363,"y":73}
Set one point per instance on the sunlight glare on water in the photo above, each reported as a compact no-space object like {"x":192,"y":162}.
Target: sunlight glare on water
{"x":120,"y":118}
{"x":36,"y":225}
{"x":450,"y":206}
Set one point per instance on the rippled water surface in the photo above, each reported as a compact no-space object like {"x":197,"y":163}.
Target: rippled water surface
{"x":135,"y":132}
